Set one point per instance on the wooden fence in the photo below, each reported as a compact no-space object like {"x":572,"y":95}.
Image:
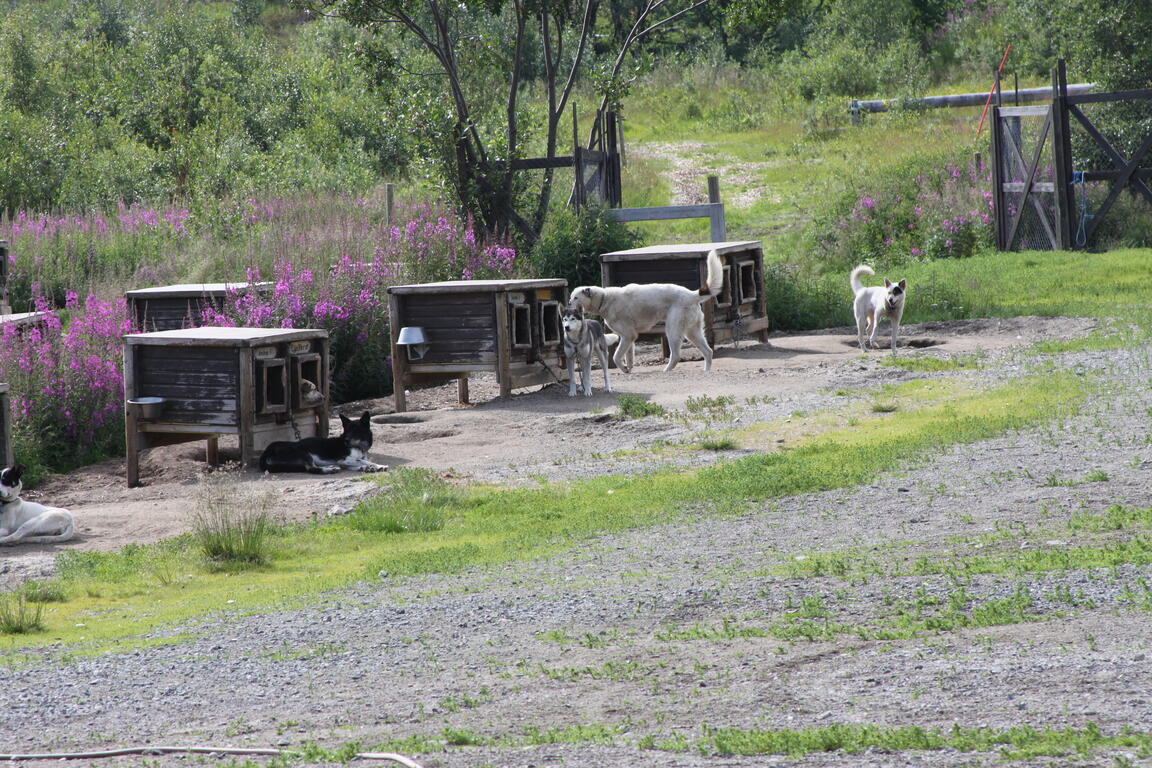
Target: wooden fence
{"x":596,"y":168}
{"x":713,"y":210}
{"x":1039,"y":196}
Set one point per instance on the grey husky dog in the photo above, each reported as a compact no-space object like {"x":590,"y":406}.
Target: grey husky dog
{"x":584,"y":337}
{"x":324,"y":455}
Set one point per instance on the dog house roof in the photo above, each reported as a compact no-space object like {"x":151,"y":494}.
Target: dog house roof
{"x":192,"y":290}
{"x":230,"y":337}
{"x":680,"y":250}
{"x":478,"y":286}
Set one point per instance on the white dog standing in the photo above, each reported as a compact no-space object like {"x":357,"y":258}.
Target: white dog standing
{"x":26,"y":520}
{"x":873,"y":304}
{"x":638,"y":307}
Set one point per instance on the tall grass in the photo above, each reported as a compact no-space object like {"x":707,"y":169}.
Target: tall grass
{"x":232,"y":523}
{"x":20,"y":614}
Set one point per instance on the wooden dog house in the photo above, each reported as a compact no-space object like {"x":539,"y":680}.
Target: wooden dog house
{"x":199,"y":383}
{"x":509,"y":327}
{"x":5,"y":428}
{"x":741,"y":307}
{"x":168,"y":307}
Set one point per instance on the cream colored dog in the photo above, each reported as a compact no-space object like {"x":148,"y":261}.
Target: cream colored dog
{"x":638,"y":307}
{"x":875,"y":303}
{"x":26,"y":520}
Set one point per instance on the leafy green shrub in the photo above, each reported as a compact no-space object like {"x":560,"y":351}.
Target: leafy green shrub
{"x":924,"y":209}
{"x":798,"y":300}
{"x":847,"y":69}
{"x":571,"y":245}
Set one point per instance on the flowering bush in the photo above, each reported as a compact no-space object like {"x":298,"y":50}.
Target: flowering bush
{"x":349,"y":297}
{"x":329,"y":267}
{"x":918,"y":212}
{"x":51,"y":255}
{"x":67,"y":382}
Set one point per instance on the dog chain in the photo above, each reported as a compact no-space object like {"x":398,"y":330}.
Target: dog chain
{"x":292,"y":421}
{"x":738,"y":329}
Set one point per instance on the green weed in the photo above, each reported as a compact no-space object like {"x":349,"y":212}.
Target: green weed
{"x":636,"y":407}
{"x":20,"y":615}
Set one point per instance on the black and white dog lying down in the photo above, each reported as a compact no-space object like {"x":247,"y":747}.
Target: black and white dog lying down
{"x":28,"y":521}
{"x":324,"y":455}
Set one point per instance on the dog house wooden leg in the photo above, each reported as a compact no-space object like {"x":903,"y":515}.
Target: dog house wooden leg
{"x":462,"y":389}
{"x":212,"y":451}
{"x":132,"y":448}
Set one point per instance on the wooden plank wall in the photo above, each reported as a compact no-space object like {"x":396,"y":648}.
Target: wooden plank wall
{"x":685,"y":272}
{"x":202,"y":384}
{"x":168,"y":313}
{"x":461,"y":327}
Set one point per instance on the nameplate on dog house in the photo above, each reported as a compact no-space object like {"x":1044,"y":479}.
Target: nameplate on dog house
{"x":264,"y":353}
{"x":516,"y":297}
{"x":299,"y":347}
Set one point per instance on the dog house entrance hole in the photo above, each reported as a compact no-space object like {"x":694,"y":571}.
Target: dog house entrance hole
{"x":550,"y":327}
{"x":521,"y":325}
{"x":748,"y":281}
{"x":305,"y":368}
{"x":725,"y":297}
{"x":273,"y":390}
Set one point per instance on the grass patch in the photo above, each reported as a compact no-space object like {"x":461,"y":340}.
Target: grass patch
{"x":119,"y":596}
{"x":232,"y":523}
{"x":20,"y":615}
{"x":636,"y":407}
{"x":414,"y":499}
{"x":724,"y":443}
{"x":1014,"y":743}
{"x":933,"y":364}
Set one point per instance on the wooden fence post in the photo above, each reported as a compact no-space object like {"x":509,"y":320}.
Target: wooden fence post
{"x":998,"y":211}
{"x":1062,"y":158}
{"x":717,"y":225}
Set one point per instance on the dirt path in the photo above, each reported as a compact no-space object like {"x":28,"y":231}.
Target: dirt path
{"x":539,"y":431}
{"x":638,"y":649}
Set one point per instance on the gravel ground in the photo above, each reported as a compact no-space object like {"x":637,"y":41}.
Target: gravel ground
{"x":668,"y":631}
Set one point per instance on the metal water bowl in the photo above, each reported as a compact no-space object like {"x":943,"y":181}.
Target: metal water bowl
{"x":148,"y":407}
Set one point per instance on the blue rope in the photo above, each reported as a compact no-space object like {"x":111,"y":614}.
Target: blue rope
{"x":1081,"y":235}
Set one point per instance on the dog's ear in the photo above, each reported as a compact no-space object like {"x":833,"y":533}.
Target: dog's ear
{"x":345,"y":421}
{"x":887,"y":283}
{"x":364,"y":418}
{"x":903,"y":285}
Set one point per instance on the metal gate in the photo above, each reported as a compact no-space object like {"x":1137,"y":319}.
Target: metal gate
{"x":1044,"y":198}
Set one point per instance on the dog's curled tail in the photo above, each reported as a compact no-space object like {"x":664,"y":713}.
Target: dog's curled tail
{"x":715,"y":282}
{"x":855,"y":279}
